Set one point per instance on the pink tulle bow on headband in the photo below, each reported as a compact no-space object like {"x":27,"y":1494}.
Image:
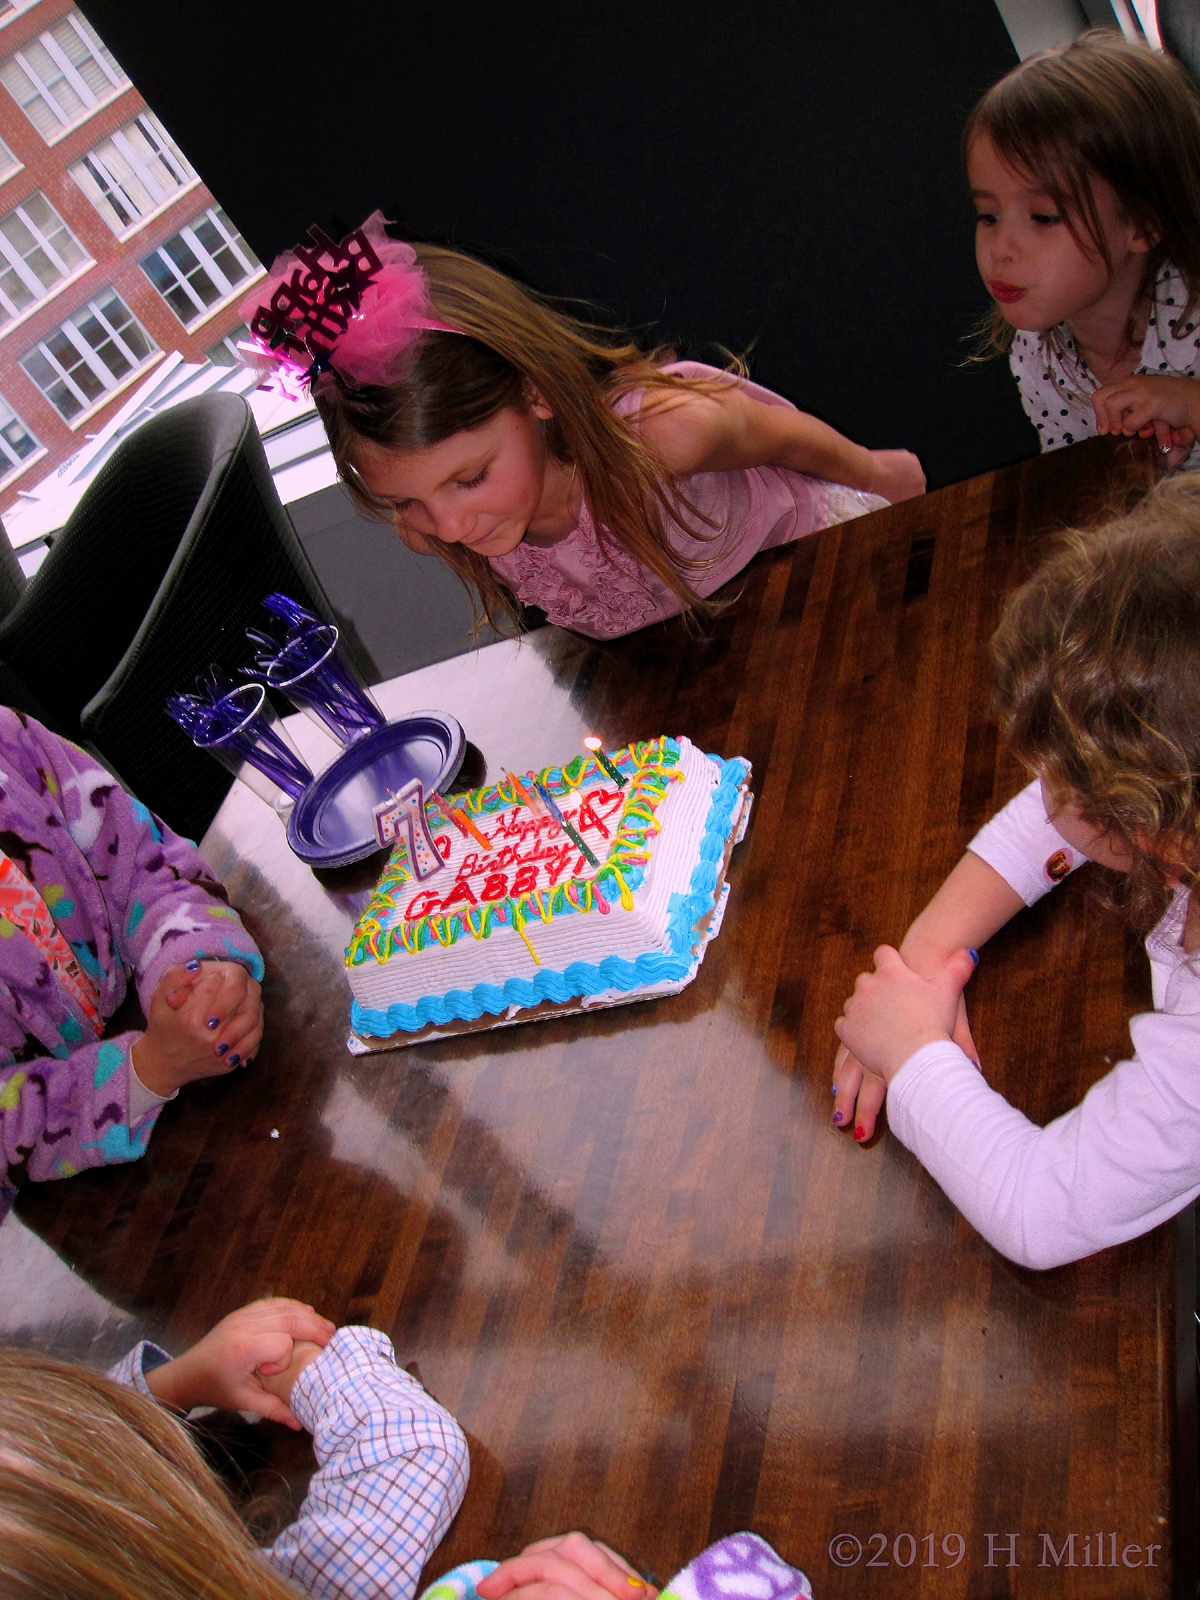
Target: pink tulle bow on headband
{"x":357,"y":307}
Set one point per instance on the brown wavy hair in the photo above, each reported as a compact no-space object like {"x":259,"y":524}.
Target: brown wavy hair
{"x":1098,"y":686}
{"x":1102,"y":108}
{"x":518,"y":342}
{"x":103,"y":1496}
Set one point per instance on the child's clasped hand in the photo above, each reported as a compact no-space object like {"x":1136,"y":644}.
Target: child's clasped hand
{"x":569,"y":1566}
{"x":1165,"y":409}
{"x":894,"y":1012}
{"x":241,"y":1364}
{"x":205,"y":1019}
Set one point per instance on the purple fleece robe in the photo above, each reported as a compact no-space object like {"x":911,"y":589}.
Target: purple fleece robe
{"x":132,"y":899}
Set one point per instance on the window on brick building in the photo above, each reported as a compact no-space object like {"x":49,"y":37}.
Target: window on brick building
{"x":225,"y":352}
{"x":61,"y":76}
{"x":8,"y":162}
{"x":13,"y":8}
{"x":91,"y":352}
{"x":36,"y":250}
{"x":133,"y":172}
{"x":16,"y":441}
{"x":200,"y":265}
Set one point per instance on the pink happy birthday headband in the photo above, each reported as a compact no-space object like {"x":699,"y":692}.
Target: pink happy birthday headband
{"x":356,"y":307}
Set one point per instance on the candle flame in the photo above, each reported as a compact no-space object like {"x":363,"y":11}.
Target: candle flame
{"x":592,"y":742}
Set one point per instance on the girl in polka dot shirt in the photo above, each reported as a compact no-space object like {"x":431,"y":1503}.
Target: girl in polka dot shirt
{"x":1084,"y":166}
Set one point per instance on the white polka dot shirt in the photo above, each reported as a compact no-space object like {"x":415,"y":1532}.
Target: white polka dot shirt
{"x":1056,"y":391}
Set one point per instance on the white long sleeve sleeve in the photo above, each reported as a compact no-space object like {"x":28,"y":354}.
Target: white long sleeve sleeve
{"x":1024,"y":847}
{"x":1124,"y":1159}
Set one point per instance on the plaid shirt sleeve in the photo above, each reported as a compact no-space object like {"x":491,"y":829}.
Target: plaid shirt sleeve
{"x":132,"y":1369}
{"x":392,"y":1472}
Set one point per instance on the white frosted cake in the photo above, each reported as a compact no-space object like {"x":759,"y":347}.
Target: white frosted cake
{"x":524,"y":926}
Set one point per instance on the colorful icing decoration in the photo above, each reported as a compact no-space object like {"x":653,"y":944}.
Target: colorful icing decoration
{"x":526,"y":847}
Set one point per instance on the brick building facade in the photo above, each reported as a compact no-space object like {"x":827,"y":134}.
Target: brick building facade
{"x":112,"y":251}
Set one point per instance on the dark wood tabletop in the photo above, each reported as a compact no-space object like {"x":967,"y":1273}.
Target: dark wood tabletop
{"x":665,"y":1297}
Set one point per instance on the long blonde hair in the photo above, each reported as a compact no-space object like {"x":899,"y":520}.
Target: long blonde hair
{"x":103,"y":1496}
{"x":517,"y":342}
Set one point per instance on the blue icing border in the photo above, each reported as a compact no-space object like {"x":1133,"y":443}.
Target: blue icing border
{"x":685,"y":910}
{"x":581,"y":977}
{"x":491,"y":999}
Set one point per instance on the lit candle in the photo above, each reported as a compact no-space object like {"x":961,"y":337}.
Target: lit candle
{"x":593,"y":745}
{"x":571,"y":833}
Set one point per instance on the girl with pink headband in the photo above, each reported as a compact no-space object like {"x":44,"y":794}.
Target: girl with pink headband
{"x":546,"y":463}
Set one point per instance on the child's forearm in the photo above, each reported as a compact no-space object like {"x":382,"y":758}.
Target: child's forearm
{"x":809,"y":445}
{"x":972,"y":904}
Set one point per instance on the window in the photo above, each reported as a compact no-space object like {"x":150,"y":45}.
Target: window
{"x":10,"y":9}
{"x":8,"y":162}
{"x":91,"y":352}
{"x":36,"y":250}
{"x":132,"y":173}
{"x":200,"y":265}
{"x":16,"y":441}
{"x":62,"y":75}
{"x":225,"y":352}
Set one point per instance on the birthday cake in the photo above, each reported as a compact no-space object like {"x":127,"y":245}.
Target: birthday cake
{"x":591,"y":884}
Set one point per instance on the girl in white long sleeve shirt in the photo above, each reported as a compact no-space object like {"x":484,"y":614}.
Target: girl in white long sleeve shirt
{"x":1099,"y":688}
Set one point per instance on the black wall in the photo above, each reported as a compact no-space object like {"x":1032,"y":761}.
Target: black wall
{"x":783,"y":176}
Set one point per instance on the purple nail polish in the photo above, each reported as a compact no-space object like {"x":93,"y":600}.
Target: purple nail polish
{"x":233,"y":1059}
{"x":839,"y":1117}
{"x":193,"y":966}
{"x":833,"y":1087}
{"x":974,"y":955}
{"x":221,"y":1049}
{"x":249,"y":1061}
{"x":213,"y":1022}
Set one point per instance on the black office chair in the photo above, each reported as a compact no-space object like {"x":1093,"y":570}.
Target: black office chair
{"x":161,"y":567}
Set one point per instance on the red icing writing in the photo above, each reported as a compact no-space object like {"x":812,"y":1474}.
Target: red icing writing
{"x":531,"y":852}
{"x":461,"y":891}
{"x":422,"y":904}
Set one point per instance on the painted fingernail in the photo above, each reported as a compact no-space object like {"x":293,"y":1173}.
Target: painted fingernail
{"x":221,"y":1049}
{"x":839,"y":1117}
{"x":636,"y":1582}
{"x":974,"y":955}
{"x":234,"y":1059}
{"x":860,"y":1132}
{"x":249,"y":1061}
{"x":213,"y":1022}
{"x":833,"y":1088}
{"x":193,"y":966}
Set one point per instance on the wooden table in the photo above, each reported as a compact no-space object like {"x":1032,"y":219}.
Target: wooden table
{"x":666,"y":1299}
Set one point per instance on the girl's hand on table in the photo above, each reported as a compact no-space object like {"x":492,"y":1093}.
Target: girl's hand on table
{"x":233,"y":1365}
{"x":894,"y":1012}
{"x":569,"y":1566}
{"x":205,"y":1019}
{"x":896,"y":475}
{"x":858,"y":1093}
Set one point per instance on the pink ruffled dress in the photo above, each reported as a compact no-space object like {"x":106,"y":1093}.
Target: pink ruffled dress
{"x":595,"y":587}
